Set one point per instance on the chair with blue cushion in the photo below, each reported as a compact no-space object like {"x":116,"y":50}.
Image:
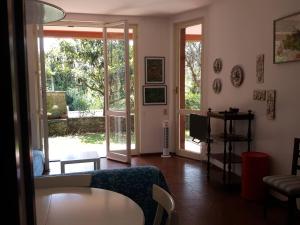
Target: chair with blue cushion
{"x":287,"y":185}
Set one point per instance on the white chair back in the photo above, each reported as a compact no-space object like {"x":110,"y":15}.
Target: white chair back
{"x":165,"y":202}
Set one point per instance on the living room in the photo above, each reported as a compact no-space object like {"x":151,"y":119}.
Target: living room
{"x":237,"y":32}
{"x":232,"y":34}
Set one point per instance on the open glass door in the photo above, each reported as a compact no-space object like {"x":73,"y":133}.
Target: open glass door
{"x":188,"y":97}
{"x":42,"y":98}
{"x":117,"y":92}
{"x":37,"y":14}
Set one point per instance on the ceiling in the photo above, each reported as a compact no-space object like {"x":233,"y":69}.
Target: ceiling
{"x":129,"y":7}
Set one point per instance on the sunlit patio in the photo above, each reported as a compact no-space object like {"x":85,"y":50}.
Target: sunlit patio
{"x":62,"y":146}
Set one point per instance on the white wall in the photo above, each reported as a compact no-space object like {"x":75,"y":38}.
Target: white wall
{"x":153,"y":40}
{"x":237,"y":31}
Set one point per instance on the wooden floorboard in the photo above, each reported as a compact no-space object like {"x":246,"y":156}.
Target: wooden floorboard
{"x":202,"y":202}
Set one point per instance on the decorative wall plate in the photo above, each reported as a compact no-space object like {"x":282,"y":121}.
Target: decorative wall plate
{"x":218,"y":65}
{"x":217,"y":85}
{"x":237,"y":76}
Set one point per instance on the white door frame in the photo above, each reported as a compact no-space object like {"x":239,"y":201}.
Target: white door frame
{"x":42,"y":87}
{"x":122,"y":156}
{"x":178,"y":111}
{"x":43,"y":100}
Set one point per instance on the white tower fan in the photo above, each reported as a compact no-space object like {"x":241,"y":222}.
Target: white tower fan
{"x":165,"y":152}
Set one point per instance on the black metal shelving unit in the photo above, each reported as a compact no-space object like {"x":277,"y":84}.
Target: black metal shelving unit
{"x":228,"y":137}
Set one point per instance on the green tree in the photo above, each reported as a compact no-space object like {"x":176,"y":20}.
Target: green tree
{"x":79,"y":64}
{"x":59,"y":69}
{"x":193,"y":74}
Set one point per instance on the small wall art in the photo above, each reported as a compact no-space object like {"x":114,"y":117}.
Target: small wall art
{"x":260,"y":59}
{"x":217,"y":85}
{"x":218,"y":65}
{"x":155,"y":95}
{"x":259,"y":95}
{"x":286,"y":44}
{"x":237,"y":76}
{"x":154,"y":70}
{"x":271,"y":100}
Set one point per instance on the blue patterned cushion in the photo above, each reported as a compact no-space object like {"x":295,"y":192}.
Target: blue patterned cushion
{"x":38,"y":162}
{"x":135,"y":183}
{"x":287,"y":184}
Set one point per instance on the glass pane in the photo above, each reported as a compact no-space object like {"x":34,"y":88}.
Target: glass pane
{"x":186,"y":142}
{"x":133,"y":141}
{"x":117,"y":133}
{"x":182,"y":129}
{"x":131,"y":70}
{"x":75,"y":93}
{"x":191,"y":74}
{"x":116,"y":69}
{"x":132,"y":88}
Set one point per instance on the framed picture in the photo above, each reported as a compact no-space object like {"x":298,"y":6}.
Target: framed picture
{"x":260,"y":61}
{"x":271,"y":102}
{"x":155,"y":95}
{"x":259,"y":95}
{"x":286,"y":44}
{"x":154,"y":70}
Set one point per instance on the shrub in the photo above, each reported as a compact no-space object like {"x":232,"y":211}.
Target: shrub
{"x":77,"y":100}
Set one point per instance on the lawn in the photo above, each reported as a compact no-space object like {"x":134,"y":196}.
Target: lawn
{"x":92,"y":138}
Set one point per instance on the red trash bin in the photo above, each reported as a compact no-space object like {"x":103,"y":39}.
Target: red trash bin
{"x":255,"y":165}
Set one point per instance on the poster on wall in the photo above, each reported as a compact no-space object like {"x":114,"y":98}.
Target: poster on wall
{"x":271,"y":100}
{"x":260,"y":60}
{"x":154,"y":70}
{"x":155,"y":95}
{"x":287,"y":39}
{"x":259,"y":95}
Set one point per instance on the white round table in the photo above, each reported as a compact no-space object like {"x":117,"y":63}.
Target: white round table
{"x":85,"y":206}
